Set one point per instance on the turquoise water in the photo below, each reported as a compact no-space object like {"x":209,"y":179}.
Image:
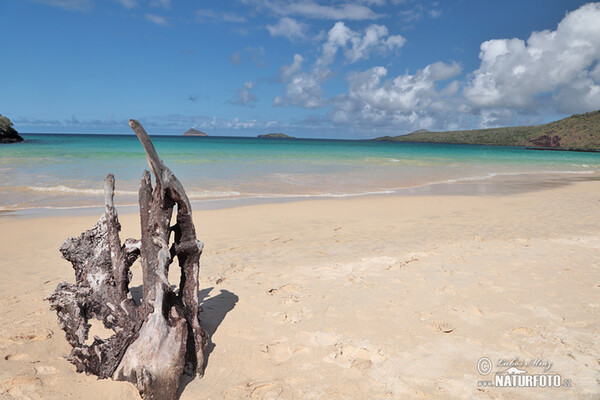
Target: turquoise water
{"x":66,"y":171}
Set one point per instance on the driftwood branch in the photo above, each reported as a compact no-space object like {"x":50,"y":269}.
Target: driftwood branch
{"x":154,"y":342}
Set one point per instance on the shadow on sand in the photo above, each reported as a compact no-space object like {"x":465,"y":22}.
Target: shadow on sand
{"x":213,"y":312}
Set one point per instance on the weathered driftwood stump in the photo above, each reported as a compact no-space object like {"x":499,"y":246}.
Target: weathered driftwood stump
{"x":155,"y":342}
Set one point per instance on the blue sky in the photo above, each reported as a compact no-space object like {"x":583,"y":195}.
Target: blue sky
{"x":335,"y":69}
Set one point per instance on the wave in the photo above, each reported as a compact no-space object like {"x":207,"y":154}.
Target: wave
{"x":206,"y":194}
{"x":67,"y":189}
{"x":228,"y":195}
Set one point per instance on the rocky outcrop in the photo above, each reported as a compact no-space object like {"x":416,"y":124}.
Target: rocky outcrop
{"x":194,"y":132}
{"x":276,"y":136}
{"x":7,"y":133}
{"x":546,"y":141}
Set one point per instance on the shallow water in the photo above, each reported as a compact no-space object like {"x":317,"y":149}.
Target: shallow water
{"x":54,"y":171}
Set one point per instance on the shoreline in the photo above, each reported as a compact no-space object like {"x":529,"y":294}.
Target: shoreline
{"x":495,"y":184}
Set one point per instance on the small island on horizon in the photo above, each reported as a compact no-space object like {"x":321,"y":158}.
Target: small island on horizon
{"x":579,"y":132}
{"x":276,"y":136}
{"x":194,"y":132}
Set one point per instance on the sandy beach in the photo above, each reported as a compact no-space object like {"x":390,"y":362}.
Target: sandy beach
{"x":363,"y":298}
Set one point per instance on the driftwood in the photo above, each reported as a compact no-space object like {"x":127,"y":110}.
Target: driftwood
{"x":156,"y":342}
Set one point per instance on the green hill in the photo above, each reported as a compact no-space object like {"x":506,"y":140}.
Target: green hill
{"x":580,"y":131}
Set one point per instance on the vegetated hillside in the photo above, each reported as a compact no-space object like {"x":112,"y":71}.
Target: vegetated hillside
{"x":580,"y":131}
{"x":276,"y":136}
{"x":194,"y":132}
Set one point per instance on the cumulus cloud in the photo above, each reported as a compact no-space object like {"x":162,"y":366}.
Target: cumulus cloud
{"x":288,"y":28}
{"x":157,"y":19}
{"x":558,"y":67}
{"x":303,"y":88}
{"x":311,"y":9}
{"x":556,"y":70}
{"x":357,"y":46}
{"x":373,"y":100}
{"x":287,"y":71}
{"x":245,"y":96}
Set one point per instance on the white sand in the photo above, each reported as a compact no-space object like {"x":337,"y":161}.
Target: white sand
{"x":385,"y":297}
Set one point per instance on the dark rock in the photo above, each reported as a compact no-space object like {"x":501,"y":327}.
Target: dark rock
{"x":546,"y":141}
{"x":7,"y":133}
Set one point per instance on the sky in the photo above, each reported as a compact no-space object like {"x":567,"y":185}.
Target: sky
{"x":351,"y":69}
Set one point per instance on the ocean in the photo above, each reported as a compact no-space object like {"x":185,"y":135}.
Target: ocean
{"x":66,"y":171}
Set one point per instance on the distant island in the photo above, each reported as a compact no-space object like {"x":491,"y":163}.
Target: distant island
{"x":8,"y":134}
{"x":194,"y":132}
{"x":276,"y":136}
{"x":577,"y":132}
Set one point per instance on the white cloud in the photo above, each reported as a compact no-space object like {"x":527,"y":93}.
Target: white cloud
{"x":245,"y":97}
{"x":73,"y":5}
{"x":257,"y":55}
{"x":127,"y":3}
{"x":434,"y":13}
{"x":157,"y":19}
{"x":311,"y":9}
{"x":303,"y":89}
{"x":166,"y":4}
{"x":556,"y":68}
{"x":373,"y":2}
{"x":376,"y":38}
{"x":236,"y":58}
{"x":210,"y":15}
{"x":553,"y":70}
{"x":287,"y":71}
{"x":407,"y":99}
{"x":288,"y":28}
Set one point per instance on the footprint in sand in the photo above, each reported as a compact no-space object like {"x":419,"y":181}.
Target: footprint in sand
{"x":35,"y":335}
{"x":290,"y":299}
{"x":446,"y":290}
{"x":401,"y":264}
{"x":288,"y":288}
{"x":45,"y":370}
{"x":21,"y":387}
{"x":470,"y":310}
{"x":443,"y":327}
{"x":266,"y":390}
{"x":358,"y":355}
{"x":521,"y":331}
{"x":17,"y":357}
{"x":280,"y":352}
{"x":292,"y":317}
